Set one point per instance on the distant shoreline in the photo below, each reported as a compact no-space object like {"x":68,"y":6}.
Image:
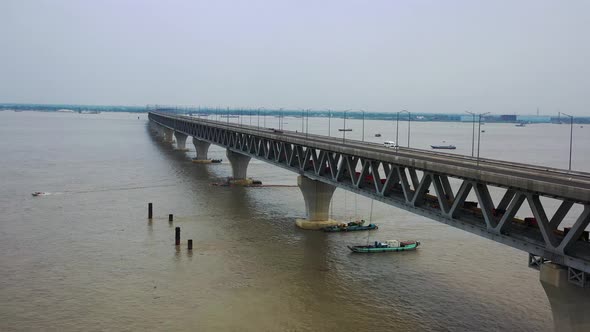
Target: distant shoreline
{"x":415,"y":117}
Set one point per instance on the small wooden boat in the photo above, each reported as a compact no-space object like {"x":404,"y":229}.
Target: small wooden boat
{"x":350,"y":227}
{"x":391,"y":245}
{"x":206,"y":161}
{"x":377,"y":135}
{"x":447,"y":147}
{"x":38,"y":193}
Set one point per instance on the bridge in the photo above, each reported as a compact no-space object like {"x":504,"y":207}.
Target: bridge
{"x":422,"y":182}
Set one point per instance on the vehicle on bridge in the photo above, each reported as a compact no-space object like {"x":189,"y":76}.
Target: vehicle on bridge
{"x":389,"y":144}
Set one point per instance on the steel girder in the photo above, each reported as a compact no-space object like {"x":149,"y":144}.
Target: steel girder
{"x":401,"y":186}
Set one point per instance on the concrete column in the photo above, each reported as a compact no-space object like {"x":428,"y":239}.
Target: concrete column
{"x":317,"y":196}
{"x":158,"y":130}
{"x":201,"y":147}
{"x":168,"y":134}
{"x":239,"y":164}
{"x":180,"y":141}
{"x":569,"y":303}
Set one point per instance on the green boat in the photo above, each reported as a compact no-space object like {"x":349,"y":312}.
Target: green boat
{"x":350,"y":227}
{"x":391,"y":245}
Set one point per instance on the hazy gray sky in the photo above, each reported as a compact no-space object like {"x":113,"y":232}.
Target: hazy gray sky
{"x":426,"y":56}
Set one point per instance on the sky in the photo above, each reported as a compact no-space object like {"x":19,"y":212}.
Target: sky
{"x":499,"y":56}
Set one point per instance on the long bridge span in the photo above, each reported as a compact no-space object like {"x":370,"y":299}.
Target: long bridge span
{"x":419,"y":181}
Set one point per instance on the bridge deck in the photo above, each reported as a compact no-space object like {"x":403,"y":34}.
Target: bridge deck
{"x":552,"y":182}
{"x":383,"y":175}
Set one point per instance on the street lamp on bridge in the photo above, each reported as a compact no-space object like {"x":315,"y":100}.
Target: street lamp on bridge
{"x":344,"y":129}
{"x":479,"y":134}
{"x":307,"y":124}
{"x":473,"y":134}
{"x":329,"y":117}
{"x":258,"y":121}
{"x":363,"y":124}
{"x":571,"y":136}
{"x":302,"y":121}
{"x":397,"y":129}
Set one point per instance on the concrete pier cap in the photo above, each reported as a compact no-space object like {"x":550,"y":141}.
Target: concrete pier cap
{"x":570,"y":304}
{"x":317,"y":196}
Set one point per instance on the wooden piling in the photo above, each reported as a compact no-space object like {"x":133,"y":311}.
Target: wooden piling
{"x":177,"y":236}
{"x":150,"y":210}
{"x":170,"y":217}
{"x":190,"y":244}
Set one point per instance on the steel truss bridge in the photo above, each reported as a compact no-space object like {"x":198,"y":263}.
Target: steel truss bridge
{"x":403,"y":177}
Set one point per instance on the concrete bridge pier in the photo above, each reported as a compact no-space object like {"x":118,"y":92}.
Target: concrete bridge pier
{"x":180,"y":141}
{"x":317,"y":196}
{"x":168,"y":135}
{"x":159,"y":130}
{"x":569,"y":303}
{"x":202,"y":147}
{"x":153,"y":127}
{"x":239,"y":166}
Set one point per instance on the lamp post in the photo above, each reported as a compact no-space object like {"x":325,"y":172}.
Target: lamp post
{"x":397,"y":129}
{"x":363,"y":124}
{"x":281,"y":118}
{"x":571,"y":137}
{"x":302,"y":120}
{"x":473,"y":134}
{"x":409,"y":121}
{"x":479,"y":134}
{"x":344,"y":129}
{"x":258,"y":118}
{"x":307,"y":124}
{"x":329,"y":117}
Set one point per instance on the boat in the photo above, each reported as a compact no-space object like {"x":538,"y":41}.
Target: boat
{"x":345,"y":129}
{"x":206,"y":161}
{"x":350,"y":227}
{"x":38,"y":193}
{"x":522,"y":124}
{"x":377,"y":135}
{"x":447,"y":147}
{"x":390,"y":245}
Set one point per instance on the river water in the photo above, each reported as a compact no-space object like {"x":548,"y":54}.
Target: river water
{"x":85,"y":257}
